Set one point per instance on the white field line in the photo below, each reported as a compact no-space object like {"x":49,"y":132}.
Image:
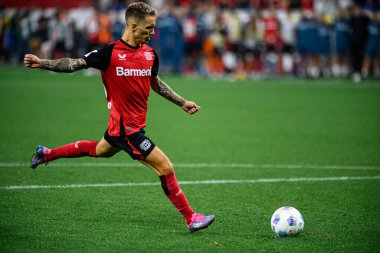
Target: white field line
{"x":203,"y":165}
{"x":253,"y":181}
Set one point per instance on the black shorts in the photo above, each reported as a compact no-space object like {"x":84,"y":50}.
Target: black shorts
{"x":137,"y":145}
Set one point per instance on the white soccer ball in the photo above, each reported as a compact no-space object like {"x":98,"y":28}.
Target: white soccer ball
{"x":287,"y":221}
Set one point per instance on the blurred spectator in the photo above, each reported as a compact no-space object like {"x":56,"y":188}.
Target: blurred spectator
{"x":288,"y":21}
{"x":171,"y":41}
{"x":372,"y":47}
{"x":232,"y":54}
{"x":273,"y":42}
{"x":324,"y":48}
{"x":91,"y":31}
{"x":192,"y":42}
{"x":253,"y":47}
{"x":359,"y":35}
{"x":40,"y":39}
{"x":12,"y":42}
{"x":307,"y":45}
{"x":117,"y":26}
{"x":213,"y":47}
{"x":62,"y":35}
{"x":104,"y":29}
{"x":341,"y":44}
{"x":233,"y":27}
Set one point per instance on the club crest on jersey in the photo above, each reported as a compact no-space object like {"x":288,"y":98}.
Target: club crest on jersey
{"x":122,"y":57}
{"x":145,"y":145}
{"x":148,"y":56}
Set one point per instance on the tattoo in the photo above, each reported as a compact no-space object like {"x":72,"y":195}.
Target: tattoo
{"x":66,"y":65}
{"x":164,"y":90}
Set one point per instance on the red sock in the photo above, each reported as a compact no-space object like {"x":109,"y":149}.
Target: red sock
{"x":75,"y":149}
{"x":176,"y":196}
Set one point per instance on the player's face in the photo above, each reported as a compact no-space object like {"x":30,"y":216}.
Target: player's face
{"x":145,"y":29}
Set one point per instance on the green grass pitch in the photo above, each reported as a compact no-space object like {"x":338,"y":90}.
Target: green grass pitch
{"x":254,"y":146}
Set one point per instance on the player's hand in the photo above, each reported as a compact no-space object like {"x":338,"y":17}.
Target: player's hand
{"x":190,"y":107}
{"x":32,"y":61}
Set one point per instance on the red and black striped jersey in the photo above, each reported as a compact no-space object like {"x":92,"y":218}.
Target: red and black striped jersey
{"x":126,"y":72}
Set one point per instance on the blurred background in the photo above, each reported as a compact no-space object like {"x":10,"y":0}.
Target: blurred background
{"x":238,"y":39}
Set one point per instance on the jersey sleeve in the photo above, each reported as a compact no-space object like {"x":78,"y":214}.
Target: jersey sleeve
{"x":156,"y":64}
{"x":100,"y":58}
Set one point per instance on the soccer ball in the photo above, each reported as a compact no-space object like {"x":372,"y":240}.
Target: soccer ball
{"x":287,"y":221}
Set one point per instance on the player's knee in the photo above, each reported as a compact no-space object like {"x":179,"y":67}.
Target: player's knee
{"x":166,"y":168}
{"x":105,"y":151}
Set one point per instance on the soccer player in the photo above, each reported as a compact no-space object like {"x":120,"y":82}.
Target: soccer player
{"x":129,"y":69}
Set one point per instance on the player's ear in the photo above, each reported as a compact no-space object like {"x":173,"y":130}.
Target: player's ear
{"x":134,"y":27}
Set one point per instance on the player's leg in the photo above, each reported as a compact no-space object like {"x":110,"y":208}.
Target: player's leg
{"x":141,"y":148}
{"x":72,"y":150}
{"x":150,"y":166}
{"x":161,"y":164}
{"x":158,"y":160}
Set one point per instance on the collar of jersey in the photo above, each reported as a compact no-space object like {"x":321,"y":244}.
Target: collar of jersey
{"x":132,"y":47}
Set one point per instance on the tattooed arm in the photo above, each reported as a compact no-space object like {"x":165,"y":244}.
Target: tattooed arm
{"x":164,"y":90}
{"x":66,"y":65}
